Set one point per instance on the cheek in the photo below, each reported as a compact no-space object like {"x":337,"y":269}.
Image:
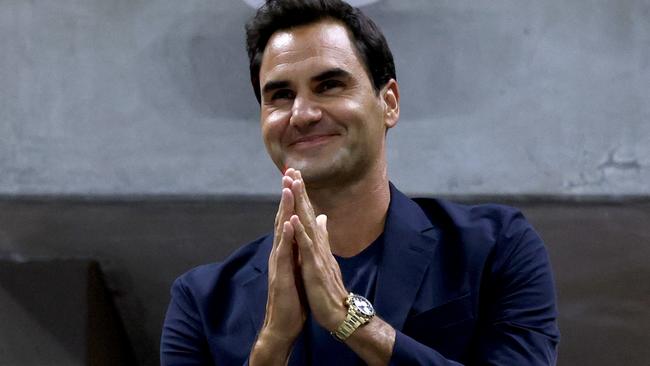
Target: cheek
{"x":347,"y":113}
{"x":273,"y":125}
{"x":364,"y":118}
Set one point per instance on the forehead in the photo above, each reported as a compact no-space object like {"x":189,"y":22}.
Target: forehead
{"x":315,"y":46}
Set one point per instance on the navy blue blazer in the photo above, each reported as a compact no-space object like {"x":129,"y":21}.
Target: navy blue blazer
{"x":460,"y":284}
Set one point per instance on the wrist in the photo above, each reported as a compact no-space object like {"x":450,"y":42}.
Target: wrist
{"x":338,"y":317}
{"x":275,"y":340}
{"x":271,"y":348}
{"x":359,"y":313}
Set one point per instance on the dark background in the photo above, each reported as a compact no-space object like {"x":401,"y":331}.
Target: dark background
{"x":600,"y":250}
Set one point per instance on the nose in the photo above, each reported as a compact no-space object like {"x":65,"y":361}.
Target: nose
{"x":304,"y":113}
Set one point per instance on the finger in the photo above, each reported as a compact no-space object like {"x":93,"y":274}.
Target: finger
{"x":321,"y":224}
{"x":297,"y":269}
{"x":286,"y":182}
{"x":288,"y":204}
{"x":278,"y":247}
{"x":305,"y":244}
{"x":277,"y":221}
{"x":303,"y":192}
{"x":303,"y":207}
{"x":285,"y":257}
{"x":284,"y":213}
{"x":298,"y":175}
{"x":281,"y":267}
{"x":300,"y":234}
{"x":291,"y":173}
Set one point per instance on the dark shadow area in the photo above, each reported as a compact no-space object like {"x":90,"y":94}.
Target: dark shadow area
{"x":107,"y":341}
{"x":60,"y":313}
{"x":599,"y":247}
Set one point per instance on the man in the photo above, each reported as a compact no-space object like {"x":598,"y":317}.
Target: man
{"x":354,"y":270}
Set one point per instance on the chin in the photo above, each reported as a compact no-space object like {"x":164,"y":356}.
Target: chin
{"x":326,"y":175}
{"x":329,"y":169}
{"x":313,"y":171}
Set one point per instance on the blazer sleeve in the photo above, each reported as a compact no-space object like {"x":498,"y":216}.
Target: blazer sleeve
{"x":183,"y":341}
{"x":518,"y":325}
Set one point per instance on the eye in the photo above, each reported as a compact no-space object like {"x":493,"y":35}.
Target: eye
{"x":329,"y":85}
{"x":282,"y":94}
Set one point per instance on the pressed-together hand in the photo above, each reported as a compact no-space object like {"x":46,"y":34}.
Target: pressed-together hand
{"x":321,"y":274}
{"x":285,"y":305}
{"x":303,"y":274}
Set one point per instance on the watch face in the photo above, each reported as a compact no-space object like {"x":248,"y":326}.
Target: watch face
{"x":364,"y":306}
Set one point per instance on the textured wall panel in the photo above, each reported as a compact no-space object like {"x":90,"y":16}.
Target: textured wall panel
{"x":150,"y":96}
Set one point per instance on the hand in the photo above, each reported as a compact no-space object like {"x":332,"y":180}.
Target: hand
{"x":321,"y":274}
{"x":285,"y":305}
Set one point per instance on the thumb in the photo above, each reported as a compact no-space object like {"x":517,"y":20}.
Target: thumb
{"x":321,"y":222}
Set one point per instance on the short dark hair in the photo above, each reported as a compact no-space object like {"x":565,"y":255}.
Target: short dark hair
{"x":277,"y":15}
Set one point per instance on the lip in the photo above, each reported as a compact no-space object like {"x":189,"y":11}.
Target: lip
{"x":313,"y":140}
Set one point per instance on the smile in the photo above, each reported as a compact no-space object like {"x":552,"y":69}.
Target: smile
{"x":311,"y":141}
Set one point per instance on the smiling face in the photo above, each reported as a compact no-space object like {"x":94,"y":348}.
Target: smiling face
{"x":319,"y":111}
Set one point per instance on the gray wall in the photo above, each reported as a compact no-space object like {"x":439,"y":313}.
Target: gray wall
{"x":498,"y":97}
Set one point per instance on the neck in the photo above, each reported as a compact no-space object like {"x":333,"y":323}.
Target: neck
{"x":356,"y":211}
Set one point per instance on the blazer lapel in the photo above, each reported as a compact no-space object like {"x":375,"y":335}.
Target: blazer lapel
{"x":256,"y":286}
{"x":409,"y":243}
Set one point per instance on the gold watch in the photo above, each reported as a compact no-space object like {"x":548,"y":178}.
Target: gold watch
{"x":360,"y":311}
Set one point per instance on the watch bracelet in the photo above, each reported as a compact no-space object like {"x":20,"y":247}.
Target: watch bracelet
{"x":351,"y":323}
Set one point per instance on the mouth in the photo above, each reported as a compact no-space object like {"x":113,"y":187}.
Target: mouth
{"x":314,"y":140}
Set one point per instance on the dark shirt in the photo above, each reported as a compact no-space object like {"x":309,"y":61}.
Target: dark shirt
{"x":359,"y":276}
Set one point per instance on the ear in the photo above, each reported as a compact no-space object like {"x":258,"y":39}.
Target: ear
{"x":390,"y":99}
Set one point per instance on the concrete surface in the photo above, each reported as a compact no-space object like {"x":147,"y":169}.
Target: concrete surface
{"x":136,"y":97}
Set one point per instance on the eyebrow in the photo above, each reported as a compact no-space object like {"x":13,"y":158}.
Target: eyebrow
{"x":331,"y":74}
{"x":274,"y":85}
{"x":327,"y":74}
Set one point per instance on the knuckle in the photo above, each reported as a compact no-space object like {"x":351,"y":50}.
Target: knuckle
{"x":305,"y":243}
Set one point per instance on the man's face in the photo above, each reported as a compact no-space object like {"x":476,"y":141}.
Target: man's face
{"x":319,"y":111}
